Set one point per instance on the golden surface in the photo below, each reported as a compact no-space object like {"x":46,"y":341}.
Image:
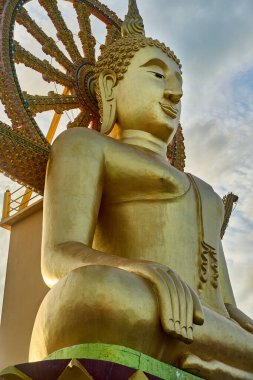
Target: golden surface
{"x":131,"y":246}
{"x":25,"y":200}
{"x":139,"y":375}
{"x":229,"y":201}
{"x":6,"y":204}
{"x":133,"y":23}
{"x":76,"y":371}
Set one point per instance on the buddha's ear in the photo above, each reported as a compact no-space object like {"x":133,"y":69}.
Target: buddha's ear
{"x":107,"y":82}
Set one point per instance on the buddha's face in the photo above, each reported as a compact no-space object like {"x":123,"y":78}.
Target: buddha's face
{"x":148,"y":97}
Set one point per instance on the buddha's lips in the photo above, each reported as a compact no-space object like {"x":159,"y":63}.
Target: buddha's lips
{"x":169,"y":110}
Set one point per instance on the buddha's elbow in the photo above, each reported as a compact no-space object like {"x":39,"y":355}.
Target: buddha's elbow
{"x":49,"y":264}
{"x":57,"y":260}
{"x":49,"y":280}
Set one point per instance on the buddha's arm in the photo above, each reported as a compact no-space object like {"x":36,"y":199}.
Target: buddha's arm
{"x":72,"y":198}
{"x":228,"y":296}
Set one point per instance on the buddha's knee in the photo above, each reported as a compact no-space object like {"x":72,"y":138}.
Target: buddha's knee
{"x":99,"y":304}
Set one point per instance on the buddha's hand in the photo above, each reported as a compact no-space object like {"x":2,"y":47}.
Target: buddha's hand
{"x":179,"y":305}
{"x":237,"y":315}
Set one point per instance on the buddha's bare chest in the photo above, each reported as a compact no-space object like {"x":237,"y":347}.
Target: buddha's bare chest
{"x":133,"y":174}
{"x":156,"y":202}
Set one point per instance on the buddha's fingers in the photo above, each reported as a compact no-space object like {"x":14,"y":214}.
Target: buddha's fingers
{"x":186,"y":308}
{"x":198,"y":314}
{"x":165,"y":303}
{"x":156,"y":275}
{"x":183,"y":304}
{"x":175,"y":301}
{"x":189,"y":316}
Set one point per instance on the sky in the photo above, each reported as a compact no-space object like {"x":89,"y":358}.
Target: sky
{"x":213,"y":40}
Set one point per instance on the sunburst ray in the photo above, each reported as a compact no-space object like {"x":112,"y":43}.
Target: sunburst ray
{"x":63,"y":32}
{"x":49,"y":73}
{"x":85,"y":34}
{"x":47,"y":43}
{"x":52,"y":101}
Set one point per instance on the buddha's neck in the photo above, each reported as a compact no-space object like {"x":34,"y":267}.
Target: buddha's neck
{"x":144,"y":140}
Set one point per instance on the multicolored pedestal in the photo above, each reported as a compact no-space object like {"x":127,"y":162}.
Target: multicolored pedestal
{"x":97,"y":362}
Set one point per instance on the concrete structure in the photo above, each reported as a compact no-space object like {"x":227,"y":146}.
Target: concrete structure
{"x":24,"y":288}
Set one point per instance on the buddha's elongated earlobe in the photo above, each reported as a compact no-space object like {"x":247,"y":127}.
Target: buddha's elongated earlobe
{"x":107,"y":82}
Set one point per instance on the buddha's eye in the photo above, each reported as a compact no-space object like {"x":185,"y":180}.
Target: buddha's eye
{"x":157,"y":75}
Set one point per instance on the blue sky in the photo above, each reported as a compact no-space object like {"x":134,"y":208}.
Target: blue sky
{"x":213,"y":39}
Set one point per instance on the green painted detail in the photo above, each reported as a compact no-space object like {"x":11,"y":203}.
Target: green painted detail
{"x":124,"y":356}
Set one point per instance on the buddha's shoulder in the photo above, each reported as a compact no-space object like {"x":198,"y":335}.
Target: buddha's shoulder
{"x":84,"y":137}
{"x":207,"y":193}
{"x":201,"y":184}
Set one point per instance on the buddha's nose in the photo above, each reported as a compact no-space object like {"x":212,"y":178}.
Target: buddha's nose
{"x":173,"y":95}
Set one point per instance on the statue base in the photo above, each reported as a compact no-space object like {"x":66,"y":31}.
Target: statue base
{"x":98,"y":362}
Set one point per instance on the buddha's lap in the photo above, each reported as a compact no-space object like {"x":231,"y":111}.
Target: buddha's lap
{"x":110,"y":305}
{"x":100,"y":304}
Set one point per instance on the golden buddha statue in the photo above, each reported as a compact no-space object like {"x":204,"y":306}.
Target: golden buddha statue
{"x":131,"y":246}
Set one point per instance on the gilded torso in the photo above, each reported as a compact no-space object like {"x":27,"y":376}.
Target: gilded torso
{"x":149,"y":210}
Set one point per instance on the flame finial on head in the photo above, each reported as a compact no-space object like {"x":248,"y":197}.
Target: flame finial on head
{"x":133,"y":23}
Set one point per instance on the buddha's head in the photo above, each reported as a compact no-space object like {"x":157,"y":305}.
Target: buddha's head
{"x":139,"y":83}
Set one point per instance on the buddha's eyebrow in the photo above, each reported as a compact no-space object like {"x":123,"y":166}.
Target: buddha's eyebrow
{"x":156,"y":62}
